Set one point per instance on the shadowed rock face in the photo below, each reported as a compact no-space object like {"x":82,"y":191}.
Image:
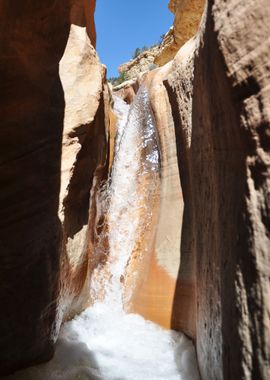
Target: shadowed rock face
{"x":32,"y":39}
{"x":221,"y":114}
{"x":227,"y":119}
{"x":40,"y":271}
{"x":229,"y":157}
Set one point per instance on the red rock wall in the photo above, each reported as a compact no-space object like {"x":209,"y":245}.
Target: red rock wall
{"x":230,"y":162}
{"x":39,"y":275}
{"x":32,"y":39}
{"x":216,"y":105}
{"x":227,"y":172}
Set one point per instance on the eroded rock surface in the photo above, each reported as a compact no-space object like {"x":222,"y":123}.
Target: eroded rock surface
{"x":188,"y":15}
{"x":33,"y":39}
{"x":84,"y":162}
{"x":229,"y":158}
{"x":164,"y":295}
{"x":142,"y":63}
{"x":222,"y":114}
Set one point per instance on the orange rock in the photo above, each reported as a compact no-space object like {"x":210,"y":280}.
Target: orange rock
{"x":186,"y":23}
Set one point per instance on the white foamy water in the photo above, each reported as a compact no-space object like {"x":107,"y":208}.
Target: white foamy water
{"x":104,"y":342}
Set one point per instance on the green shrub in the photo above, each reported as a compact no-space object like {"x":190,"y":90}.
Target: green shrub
{"x":123,"y":77}
{"x":136,"y":53}
{"x":115,"y":81}
{"x":161,"y":38}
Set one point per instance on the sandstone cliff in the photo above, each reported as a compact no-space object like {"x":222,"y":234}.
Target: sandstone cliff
{"x":54,"y":135}
{"x":188,"y":15}
{"x":142,"y":63}
{"x":206,"y":271}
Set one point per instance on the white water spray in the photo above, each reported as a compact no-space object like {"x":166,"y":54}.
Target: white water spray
{"x":128,"y":195}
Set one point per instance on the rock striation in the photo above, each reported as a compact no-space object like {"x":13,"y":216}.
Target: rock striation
{"x":84,"y":163}
{"x":229,"y":164}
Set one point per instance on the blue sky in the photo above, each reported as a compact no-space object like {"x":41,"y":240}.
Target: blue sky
{"x":124,"y":25}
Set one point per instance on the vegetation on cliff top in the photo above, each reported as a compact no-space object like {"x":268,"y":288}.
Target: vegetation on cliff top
{"x":123,"y":77}
{"x":115,"y":81}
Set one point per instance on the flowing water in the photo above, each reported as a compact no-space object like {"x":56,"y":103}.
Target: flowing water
{"x":128,"y":197}
{"x":104,"y":342}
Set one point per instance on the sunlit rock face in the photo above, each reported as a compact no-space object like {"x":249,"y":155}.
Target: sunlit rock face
{"x":163,"y":295}
{"x":142,"y":63}
{"x":188,"y":15}
{"x":201,"y":251}
{"x":84,"y":162}
{"x":53,"y":141}
{"x":166,"y":290}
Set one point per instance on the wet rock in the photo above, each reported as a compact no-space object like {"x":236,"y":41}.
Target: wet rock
{"x":163,"y":295}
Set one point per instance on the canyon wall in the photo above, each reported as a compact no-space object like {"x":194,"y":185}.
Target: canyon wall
{"x":54,"y":134}
{"x":229,"y":166}
{"x":208,"y":269}
{"x":221,"y":115}
{"x":212,"y":103}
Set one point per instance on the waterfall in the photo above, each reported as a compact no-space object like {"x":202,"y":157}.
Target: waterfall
{"x":104,"y":342}
{"x":128,"y":196}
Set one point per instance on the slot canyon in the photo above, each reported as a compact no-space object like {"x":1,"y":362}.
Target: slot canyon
{"x":135,"y":217}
